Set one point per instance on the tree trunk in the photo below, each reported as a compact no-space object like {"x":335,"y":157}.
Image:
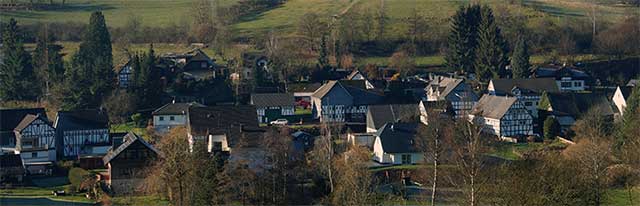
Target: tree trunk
{"x":435,"y":173}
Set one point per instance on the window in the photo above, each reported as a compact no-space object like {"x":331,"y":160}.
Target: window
{"x":577,"y":84}
{"x":528,"y":104}
{"x":161,"y":118}
{"x":172,"y":118}
{"x":406,"y":159}
{"x":565,"y":84}
{"x":34,"y":155}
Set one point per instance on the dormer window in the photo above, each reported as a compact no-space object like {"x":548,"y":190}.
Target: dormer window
{"x":516,"y":91}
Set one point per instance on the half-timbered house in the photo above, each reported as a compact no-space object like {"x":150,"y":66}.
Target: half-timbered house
{"x":528,"y":91}
{"x":35,"y":142}
{"x":9,"y":119}
{"x":124,"y":72}
{"x":453,"y":90}
{"x":82,"y":133}
{"x":343,"y":101}
{"x":502,"y":116}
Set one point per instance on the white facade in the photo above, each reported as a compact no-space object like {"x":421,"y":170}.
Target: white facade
{"x":394,"y":158}
{"x":619,"y":101}
{"x":569,"y":84}
{"x":164,"y":123}
{"x":86,"y":142}
{"x":516,"y":121}
{"x":361,"y":139}
{"x":36,"y":142}
{"x":218,"y":143}
{"x":284,"y":111}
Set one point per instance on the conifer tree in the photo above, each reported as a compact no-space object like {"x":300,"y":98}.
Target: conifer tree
{"x":47,"y":60}
{"x":93,"y":67}
{"x":323,"y":59}
{"x":462,"y":39}
{"x":520,"y":59}
{"x":492,"y":49}
{"x":16,"y":72}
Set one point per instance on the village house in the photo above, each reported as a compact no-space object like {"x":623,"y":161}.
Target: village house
{"x":272,"y":106}
{"x":456,"y":91}
{"x":567,"y":78}
{"x":528,"y":91}
{"x":127,"y":164}
{"x":11,"y":168}
{"x":442,"y":108}
{"x":124,"y":73}
{"x":35,"y":142}
{"x":343,"y":101}
{"x":379,"y":115}
{"x":361,"y":139}
{"x":567,"y":108}
{"x":620,"y":98}
{"x":223,"y":127}
{"x":82,"y":133}
{"x":505,"y":117}
{"x":357,"y":75}
{"x":171,"y":115}
{"x":396,"y":143}
{"x":9,"y":119}
{"x":199,"y":66}
{"x":633,"y":83}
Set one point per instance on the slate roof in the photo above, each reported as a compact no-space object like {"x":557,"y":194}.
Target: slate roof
{"x":399,"y":137}
{"x":577,"y":104}
{"x":234,"y":121}
{"x":355,"y":88}
{"x":354,"y":73}
{"x":9,"y":120}
{"x":633,"y":83}
{"x":82,"y":120}
{"x":391,"y":113}
{"x":128,"y":140}
{"x":27,"y":120}
{"x":559,"y":72}
{"x":272,"y":99}
{"x":175,"y":108}
{"x":533,"y":86}
{"x":10,"y":160}
{"x":493,"y":106}
{"x":446,"y":85}
{"x":626,"y":91}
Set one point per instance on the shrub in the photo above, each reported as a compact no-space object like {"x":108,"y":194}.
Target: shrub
{"x":551,"y":127}
{"x":76,"y":176}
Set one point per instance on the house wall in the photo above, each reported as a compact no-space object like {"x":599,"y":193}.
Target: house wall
{"x":221,"y":139}
{"x":517,"y":121}
{"x":361,"y":139}
{"x":619,"y":101}
{"x":163,"y":123}
{"x":416,"y":158}
{"x":85,"y":142}
{"x":36,"y":142}
{"x":128,"y":170}
{"x":568,"y":84}
{"x":124,"y":77}
{"x":334,"y":105}
{"x":379,"y":154}
{"x":264,"y":117}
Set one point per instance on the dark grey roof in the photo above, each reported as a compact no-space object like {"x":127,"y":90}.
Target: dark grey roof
{"x":128,"y":140}
{"x":577,"y":104}
{"x":446,"y":85}
{"x":626,"y":91}
{"x":82,"y":120}
{"x":400,"y":137}
{"x":526,"y":86}
{"x":175,"y":108}
{"x":633,"y":83}
{"x":10,"y":118}
{"x":355,"y":88}
{"x":493,"y":106}
{"x":559,"y":71}
{"x":10,"y":160}
{"x":272,"y":99}
{"x":391,"y":113}
{"x":234,"y":121}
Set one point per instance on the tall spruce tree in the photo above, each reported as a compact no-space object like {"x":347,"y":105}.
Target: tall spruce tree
{"x":492,"y":49}
{"x":150,"y":84}
{"x":323,"y":58}
{"x":630,"y":118}
{"x":520,"y":59}
{"x":461,"y":52}
{"x":92,"y":66}
{"x":16,"y":72}
{"x":47,"y":60}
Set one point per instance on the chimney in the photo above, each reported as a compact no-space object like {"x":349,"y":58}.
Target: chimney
{"x":392,"y":127}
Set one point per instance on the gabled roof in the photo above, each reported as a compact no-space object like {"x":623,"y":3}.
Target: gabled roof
{"x":272,"y":99}
{"x":175,"y":108}
{"x":493,"y":106}
{"x":233,"y":121}
{"x":354,"y":74}
{"x":633,"y":83}
{"x":400,"y":137}
{"x":391,"y":113}
{"x":577,"y":104}
{"x":10,"y":118}
{"x":355,"y":88}
{"x":446,"y":85}
{"x":626,"y":91}
{"x":82,"y":120}
{"x":324,"y":89}
{"x":120,"y":66}
{"x":128,"y":140}
{"x":526,"y":86}
{"x":28,"y":120}
{"x":559,"y":71}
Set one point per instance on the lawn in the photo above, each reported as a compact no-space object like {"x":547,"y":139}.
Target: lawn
{"x":620,"y":197}
{"x":157,"y":13}
{"x":42,"y":192}
{"x":130,"y":126}
{"x":515,"y":151}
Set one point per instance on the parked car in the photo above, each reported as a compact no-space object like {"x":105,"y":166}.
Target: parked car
{"x":279,"y":122}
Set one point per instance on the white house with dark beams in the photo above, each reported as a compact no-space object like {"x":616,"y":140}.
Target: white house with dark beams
{"x":82,"y":133}
{"x":124,"y":72}
{"x":272,"y":106}
{"x":528,"y":91}
{"x":343,"y":101}
{"x":397,"y":143}
{"x":454,"y":90}
{"x":35,"y":142}
{"x":502,"y":116}
{"x":568,"y":79}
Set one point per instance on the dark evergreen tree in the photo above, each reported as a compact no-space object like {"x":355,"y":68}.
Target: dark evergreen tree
{"x":492,"y":51}
{"x":461,"y":52}
{"x":323,"y":58}
{"x":630,"y":118}
{"x":47,"y":60}
{"x":551,"y":127}
{"x":136,"y":68}
{"x":520,"y":59}
{"x":150,"y":80}
{"x":93,"y":67}
{"x":17,"y":79}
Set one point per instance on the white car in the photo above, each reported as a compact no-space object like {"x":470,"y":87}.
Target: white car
{"x":279,"y":122}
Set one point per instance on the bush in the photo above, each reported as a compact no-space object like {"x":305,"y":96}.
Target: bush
{"x":551,"y":127}
{"x":76,"y":176}
{"x":138,"y":119}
